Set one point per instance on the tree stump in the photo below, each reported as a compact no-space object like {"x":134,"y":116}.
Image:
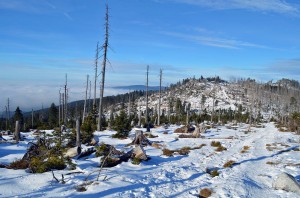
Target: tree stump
{"x":17,"y":132}
{"x":140,"y":139}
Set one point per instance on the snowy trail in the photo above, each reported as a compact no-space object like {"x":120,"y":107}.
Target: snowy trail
{"x":177,"y":176}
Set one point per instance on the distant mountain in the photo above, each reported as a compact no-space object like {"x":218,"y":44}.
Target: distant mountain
{"x":138,"y":87}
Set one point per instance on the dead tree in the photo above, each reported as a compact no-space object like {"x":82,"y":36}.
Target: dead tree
{"x":17,"y":132}
{"x":65,"y":101}
{"x":159,"y":101}
{"x":31,"y":118}
{"x":140,"y":139}
{"x":86,"y":92}
{"x":104,"y":47}
{"x":59,"y":108}
{"x":78,"y":142}
{"x":96,"y":74}
{"x":146,"y":116}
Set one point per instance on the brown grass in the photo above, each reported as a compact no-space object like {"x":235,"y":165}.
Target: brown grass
{"x":156,"y":145}
{"x":221,"y":148}
{"x":245,"y":149}
{"x":272,"y":163}
{"x":215,"y":144}
{"x":229,"y":164}
{"x":168,"y":152}
{"x":205,"y":192}
{"x":19,"y":164}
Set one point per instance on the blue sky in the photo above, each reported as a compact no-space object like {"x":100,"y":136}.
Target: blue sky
{"x":41,"y":40}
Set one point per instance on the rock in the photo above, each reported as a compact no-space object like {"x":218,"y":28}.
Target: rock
{"x":286,"y":182}
{"x":71,"y":152}
{"x":140,"y":153}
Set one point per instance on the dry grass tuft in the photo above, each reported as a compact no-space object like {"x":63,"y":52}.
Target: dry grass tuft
{"x":245,"y":149}
{"x":230,"y":163}
{"x":205,"y":192}
{"x":215,"y":144}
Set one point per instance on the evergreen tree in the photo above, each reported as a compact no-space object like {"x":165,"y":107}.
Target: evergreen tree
{"x":19,"y":116}
{"x":121,"y":125}
{"x":53,"y":115}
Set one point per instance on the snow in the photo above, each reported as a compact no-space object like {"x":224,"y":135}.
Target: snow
{"x":161,"y":176}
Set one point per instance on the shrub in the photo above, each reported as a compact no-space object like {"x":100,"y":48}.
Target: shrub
{"x":101,"y":150}
{"x":215,"y":144}
{"x":168,"y":152}
{"x":245,"y":149}
{"x":221,"y":148}
{"x":184,"y":150}
{"x":19,"y":164}
{"x":136,"y":161}
{"x":230,"y":163}
{"x":121,"y":134}
{"x":205,"y":192}
{"x":199,"y":147}
{"x":38,"y":165}
{"x":214,"y":173}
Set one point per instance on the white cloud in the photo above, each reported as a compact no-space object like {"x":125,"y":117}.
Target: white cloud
{"x":214,"y":41}
{"x":276,"y":6}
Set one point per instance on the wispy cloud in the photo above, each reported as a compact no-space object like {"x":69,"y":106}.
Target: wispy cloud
{"x":38,"y":7}
{"x":214,"y":41}
{"x":275,"y":6}
{"x":288,"y":67}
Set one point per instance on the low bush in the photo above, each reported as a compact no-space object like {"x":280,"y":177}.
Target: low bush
{"x":214,"y":173}
{"x":19,"y":164}
{"x":215,"y":144}
{"x":136,"y":161}
{"x":168,"y":152}
{"x":205,"y":192}
{"x":230,"y":163}
{"x":184,"y":150}
{"x":221,"y":148}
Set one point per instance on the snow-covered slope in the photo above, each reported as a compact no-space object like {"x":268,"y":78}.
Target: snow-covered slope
{"x":270,"y":153}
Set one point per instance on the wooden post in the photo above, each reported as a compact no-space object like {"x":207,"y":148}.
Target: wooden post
{"x":17,"y":132}
{"x":78,"y":142}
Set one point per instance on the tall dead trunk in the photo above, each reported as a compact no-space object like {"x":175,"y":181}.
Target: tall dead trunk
{"x":146,"y":116}
{"x":159,"y":101}
{"x":78,"y":142}
{"x":17,"y":132}
{"x":104,"y":47}
{"x":86,"y":92}
{"x":96,"y":74}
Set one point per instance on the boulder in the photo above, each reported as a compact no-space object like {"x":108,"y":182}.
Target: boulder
{"x":71,"y":152}
{"x":140,"y":153}
{"x":286,"y":182}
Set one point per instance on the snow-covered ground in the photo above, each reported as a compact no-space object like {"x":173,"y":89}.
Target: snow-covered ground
{"x":162,"y":176}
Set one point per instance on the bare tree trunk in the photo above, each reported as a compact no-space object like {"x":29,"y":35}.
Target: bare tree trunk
{"x":66,"y":101}
{"x":78,"y":142}
{"x":86,"y":91}
{"x":104,"y":46}
{"x":32,"y":118}
{"x":8,"y":110}
{"x":17,"y":132}
{"x":139,"y":123}
{"x":146,"y":116}
{"x":159,"y":101}
{"x":96,"y":74}
{"x":90,"y":93}
{"x":6,"y":115}
{"x":59,"y":109}
{"x":129,"y":105}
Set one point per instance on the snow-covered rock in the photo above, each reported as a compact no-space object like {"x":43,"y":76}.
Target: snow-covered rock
{"x":286,"y":182}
